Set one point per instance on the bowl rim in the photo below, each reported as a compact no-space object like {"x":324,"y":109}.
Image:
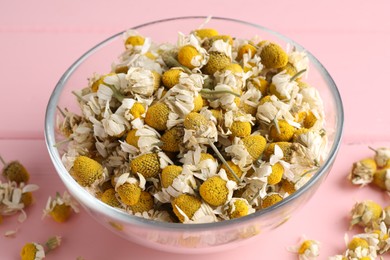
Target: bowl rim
{"x":93,"y":203}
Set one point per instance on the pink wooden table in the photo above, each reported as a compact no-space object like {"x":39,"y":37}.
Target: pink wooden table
{"x":39,"y":41}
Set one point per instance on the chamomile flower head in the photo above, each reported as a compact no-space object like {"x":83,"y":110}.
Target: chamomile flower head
{"x":175,"y":180}
{"x":14,"y":198}
{"x":184,"y":206}
{"x":189,"y":57}
{"x":239,"y":207}
{"x":217,"y":190}
{"x":271,"y":199}
{"x":307,"y":249}
{"x":36,"y":251}
{"x":32,"y":251}
{"x":378,"y":237}
{"x":286,"y":149}
{"x":145,"y":203}
{"x":235,"y":168}
{"x":206,"y":33}
{"x":87,"y":171}
{"x":168,"y":175}
{"x":15,"y":171}
{"x":366,"y":214}
{"x":157,"y":116}
{"x":61,"y":207}
{"x":255,"y":145}
{"x":109,"y":197}
{"x":360,"y":248}
{"x":171,"y":77}
{"x":382,"y":156}
{"x":172,"y":139}
{"x":362,"y":171}
{"x":217,"y":62}
{"x":142,"y":81}
{"x":209,"y":41}
{"x":277,"y":171}
{"x":129,"y":188}
{"x":273,"y":56}
{"x":134,"y":39}
{"x":246,"y":49}
{"x":191,"y":209}
{"x":147,"y":165}
{"x":143,"y":139}
{"x":382,"y":179}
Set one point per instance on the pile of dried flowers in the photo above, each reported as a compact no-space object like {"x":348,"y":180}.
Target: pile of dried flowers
{"x":214,"y":127}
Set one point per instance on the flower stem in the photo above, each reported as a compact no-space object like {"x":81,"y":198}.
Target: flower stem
{"x":224,"y":161}
{"x":61,"y":112}
{"x":206,"y":91}
{"x":170,"y":61}
{"x":2,"y":161}
{"x":297,"y":75}
{"x":116,"y":94}
{"x":62,"y":142}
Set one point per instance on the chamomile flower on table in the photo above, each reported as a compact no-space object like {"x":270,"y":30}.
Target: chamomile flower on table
{"x":37,"y":251}
{"x":366,"y":213}
{"x":61,"y":207}
{"x":15,"y":198}
{"x":306,"y":249}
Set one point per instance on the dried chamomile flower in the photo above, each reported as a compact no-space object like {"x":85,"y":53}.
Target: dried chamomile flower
{"x":157,"y":116}
{"x":190,"y":209}
{"x":206,"y":33}
{"x":282,"y":131}
{"x":189,"y":56}
{"x":171,"y":77}
{"x":255,"y":145}
{"x":307,"y":249}
{"x":61,"y":207}
{"x":15,"y":171}
{"x":271,"y":199}
{"x":129,"y":188}
{"x":382,"y":156}
{"x":382,"y":179}
{"x":239,"y":207}
{"x":87,"y":171}
{"x":358,"y":248}
{"x":217,"y":190}
{"x":185,"y":206}
{"x":217,"y":62}
{"x":36,"y":251}
{"x":378,"y":237}
{"x":273,"y":56}
{"x":32,"y":251}
{"x":15,"y":198}
{"x":109,"y":197}
{"x":366,"y":213}
{"x":172,"y":139}
{"x":363,"y":171}
{"x":147,"y":165}
{"x":175,"y":181}
{"x":144,"y":204}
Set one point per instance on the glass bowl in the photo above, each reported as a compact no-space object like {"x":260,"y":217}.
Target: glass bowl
{"x":177,"y":237}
